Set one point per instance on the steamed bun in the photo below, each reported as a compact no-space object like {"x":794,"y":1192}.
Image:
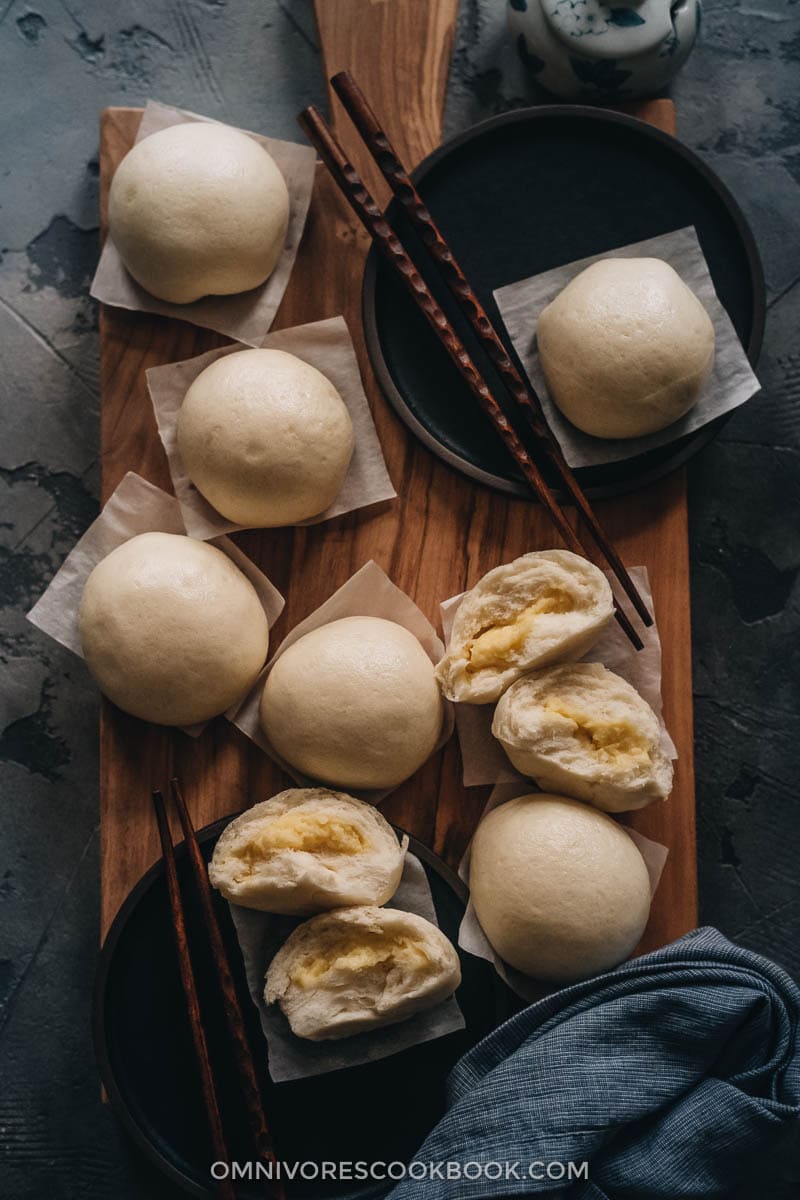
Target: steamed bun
{"x":198,"y":209}
{"x":307,"y":850}
{"x":581,"y":730}
{"x":626,"y":347}
{"x":353,"y":704}
{"x":265,"y":437}
{"x":560,"y":889}
{"x":544,"y":607}
{"x":360,"y":968}
{"x":171,"y":629}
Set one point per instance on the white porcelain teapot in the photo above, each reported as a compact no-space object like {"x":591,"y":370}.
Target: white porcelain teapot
{"x":590,"y":50}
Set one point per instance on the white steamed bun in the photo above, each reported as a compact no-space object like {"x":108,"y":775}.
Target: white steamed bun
{"x":171,"y":629}
{"x":560,"y":889}
{"x":265,"y":437}
{"x":626,"y":347}
{"x":353,"y":704}
{"x":198,"y":209}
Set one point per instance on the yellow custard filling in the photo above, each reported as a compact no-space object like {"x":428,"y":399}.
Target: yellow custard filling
{"x":492,"y":647}
{"x":316,"y":833}
{"x":354,"y":952}
{"x":612,"y":741}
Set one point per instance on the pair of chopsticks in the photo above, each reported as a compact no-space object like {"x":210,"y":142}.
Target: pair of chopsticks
{"x":233,"y":1013}
{"x":387,"y":241}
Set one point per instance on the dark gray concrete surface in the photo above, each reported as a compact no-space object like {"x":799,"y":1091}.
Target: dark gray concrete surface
{"x":255,"y":63}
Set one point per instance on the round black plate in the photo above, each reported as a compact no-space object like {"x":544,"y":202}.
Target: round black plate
{"x":375,"y":1113}
{"x":517,"y":195}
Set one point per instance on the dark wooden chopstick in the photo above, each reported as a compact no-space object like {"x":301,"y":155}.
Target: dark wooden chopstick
{"x":385,"y":157}
{"x":242,"y":1053}
{"x":233,"y":1013}
{"x":224,"y":1186}
{"x":387,"y":241}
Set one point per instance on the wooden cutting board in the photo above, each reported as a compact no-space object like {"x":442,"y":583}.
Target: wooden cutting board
{"x":440,"y":535}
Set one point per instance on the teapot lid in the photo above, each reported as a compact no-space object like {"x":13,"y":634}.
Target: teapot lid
{"x":617,"y":29}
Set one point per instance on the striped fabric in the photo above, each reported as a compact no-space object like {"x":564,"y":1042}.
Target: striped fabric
{"x":676,"y":1075}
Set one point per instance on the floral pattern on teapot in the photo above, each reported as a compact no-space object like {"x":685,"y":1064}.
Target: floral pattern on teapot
{"x":590,"y":50}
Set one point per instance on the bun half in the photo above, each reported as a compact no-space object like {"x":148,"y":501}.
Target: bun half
{"x":581,"y":730}
{"x":360,"y":968}
{"x":545,"y":607}
{"x":307,"y":850}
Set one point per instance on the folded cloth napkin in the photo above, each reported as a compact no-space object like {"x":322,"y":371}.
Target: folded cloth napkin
{"x":675,"y":1075}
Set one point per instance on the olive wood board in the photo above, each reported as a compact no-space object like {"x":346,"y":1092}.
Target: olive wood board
{"x":436,"y":539}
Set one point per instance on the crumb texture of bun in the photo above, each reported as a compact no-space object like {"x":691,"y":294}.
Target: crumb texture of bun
{"x":356,"y":969}
{"x":581,"y":730}
{"x":547,"y":606}
{"x":198,"y":209}
{"x":626,"y":348}
{"x":560,"y":889}
{"x":353,"y":704}
{"x":265,"y":437}
{"x":308,"y":850}
{"x":171,"y":629}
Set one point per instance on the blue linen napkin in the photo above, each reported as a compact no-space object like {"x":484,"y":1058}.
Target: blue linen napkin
{"x":675,"y":1075}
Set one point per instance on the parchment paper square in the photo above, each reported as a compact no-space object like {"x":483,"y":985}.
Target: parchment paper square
{"x":732,"y":380}
{"x":470,"y":934}
{"x":136,"y":506}
{"x":246,"y":316}
{"x":260,"y":936}
{"x":326,"y":345}
{"x":368,"y":593}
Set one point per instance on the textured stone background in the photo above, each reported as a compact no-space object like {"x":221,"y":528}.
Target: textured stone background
{"x":255,"y":63}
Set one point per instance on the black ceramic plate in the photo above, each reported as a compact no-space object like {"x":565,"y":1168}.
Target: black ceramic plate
{"x":520,"y":194}
{"x":375,"y":1113}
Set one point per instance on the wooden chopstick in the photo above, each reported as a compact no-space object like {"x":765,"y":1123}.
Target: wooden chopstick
{"x":395,"y":174}
{"x":224,"y":1186}
{"x":387,"y":241}
{"x":242,"y":1053}
{"x":233,"y":1013}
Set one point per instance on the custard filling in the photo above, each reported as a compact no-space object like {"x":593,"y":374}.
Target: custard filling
{"x":611,"y":741}
{"x":354,"y":952}
{"x":493,"y":646}
{"x":316,"y":833}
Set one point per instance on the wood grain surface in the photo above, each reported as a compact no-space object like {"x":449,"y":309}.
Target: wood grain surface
{"x":440,"y":535}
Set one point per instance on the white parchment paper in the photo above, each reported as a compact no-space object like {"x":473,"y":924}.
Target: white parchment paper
{"x":326,"y":345}
{"x":134,"y":507}
{"x":732,"y":381}
{"x":248,"y":315}
{"x":368,"y":593}
{"x":470,"y":934}
{"x":484,"y":760}
{"x":260,"y":936}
